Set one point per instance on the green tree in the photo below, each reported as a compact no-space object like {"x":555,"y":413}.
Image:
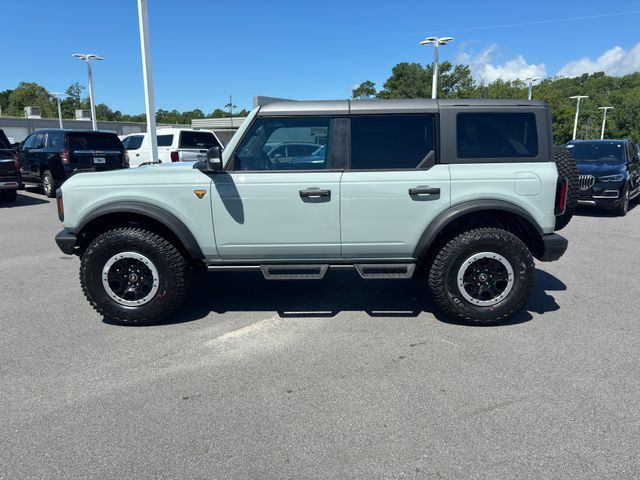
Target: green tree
{"x":366,"y":89}
{"x":29,"y":94}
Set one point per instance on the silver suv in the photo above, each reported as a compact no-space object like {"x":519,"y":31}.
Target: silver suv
{"x":468,"y":190}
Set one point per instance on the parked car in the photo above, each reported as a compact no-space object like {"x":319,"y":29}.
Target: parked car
{"x":9,"y":173}
{"x":174,"y":145}
{"x":609,"y":172}
{"x":468,"y":190}
{"x":49,"y":157}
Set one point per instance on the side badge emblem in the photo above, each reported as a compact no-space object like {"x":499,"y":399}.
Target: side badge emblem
{"x":200,"y":193}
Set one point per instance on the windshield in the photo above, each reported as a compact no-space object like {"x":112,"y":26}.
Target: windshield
{"x":597,"y":151}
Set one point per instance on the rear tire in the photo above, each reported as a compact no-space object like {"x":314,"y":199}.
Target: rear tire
{"x":7,"y":196}
{"x":133,"y":276}
{"x":482,"y":277}
{"x":566,"y":165}
{"x":49,"y":185}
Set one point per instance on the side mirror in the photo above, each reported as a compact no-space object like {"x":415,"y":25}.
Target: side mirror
{"x":214,"y":159}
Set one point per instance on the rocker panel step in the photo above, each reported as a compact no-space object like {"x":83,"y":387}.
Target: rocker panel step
{"x":385,"y":270}
{"x":294,"y":272}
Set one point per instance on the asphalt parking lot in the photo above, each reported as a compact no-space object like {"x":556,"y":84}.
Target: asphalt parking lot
{"x":342,"y":378}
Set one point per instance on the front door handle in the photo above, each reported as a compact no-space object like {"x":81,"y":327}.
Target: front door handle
{"x":423,"y":191}
{"x":314,"y":193}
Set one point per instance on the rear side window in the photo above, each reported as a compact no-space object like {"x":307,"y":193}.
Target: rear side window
{"x":497,"y":135}
{"x":198,"y":140}
{"x":133,"y":143}
{"x":165,"y":140}
{"x":55,"y":140}
{"x":391,"y":142}
{"x":93,"y":141}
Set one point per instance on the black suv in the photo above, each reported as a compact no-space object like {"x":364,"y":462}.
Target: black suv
{"x":9,"y":174}
{"x":49,"y":157}
{"x":609,"y":172}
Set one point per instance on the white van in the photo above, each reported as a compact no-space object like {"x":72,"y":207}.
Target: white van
{"x":174,"y":145}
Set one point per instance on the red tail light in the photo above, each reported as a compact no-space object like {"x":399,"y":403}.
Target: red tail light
{"x":561,"y":195}
{"x":64,"y":155}
{"x":175,"y":157}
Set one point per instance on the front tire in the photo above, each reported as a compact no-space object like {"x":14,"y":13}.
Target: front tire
{"x":482,"y":277}
{"x":623,"y":207}
{"x":133,"y":276}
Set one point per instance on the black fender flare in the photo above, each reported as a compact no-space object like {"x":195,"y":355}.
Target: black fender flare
{"x":457,"y":211}
{"x":169,"y":220}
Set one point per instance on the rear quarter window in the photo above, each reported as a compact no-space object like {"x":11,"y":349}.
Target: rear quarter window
{"x":204,"y":140}
{"x":93,"y":141}
{"x":496,"y":135}
{"x":165,"y":140}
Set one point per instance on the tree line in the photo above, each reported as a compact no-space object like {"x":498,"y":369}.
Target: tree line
{"x":413,"y":80}
{"x":27,"y":94}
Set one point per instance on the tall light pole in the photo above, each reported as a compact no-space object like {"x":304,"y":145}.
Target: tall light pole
{"x":575,"y":122}
{"x":58,"y":95}
{"x":604,"y":120}
{"x":530,"y":81}
{"x":231,"y":107}
{"x":87,"y":57}
{"x":436,"y":43}
{"x":146,"y":75}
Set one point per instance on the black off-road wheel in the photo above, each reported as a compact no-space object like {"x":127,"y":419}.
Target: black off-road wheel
{"x":133,"y":276}
{"x":49,"y":185}
{"x":7,"y":196}
{"x":566,"y":165}
{"x":482,"y":277}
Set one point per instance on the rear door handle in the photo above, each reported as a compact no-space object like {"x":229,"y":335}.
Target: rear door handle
{"x":421,"y":191}
{"x":314,"y":193}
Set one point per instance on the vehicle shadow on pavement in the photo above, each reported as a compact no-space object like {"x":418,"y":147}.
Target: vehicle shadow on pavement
{"x":23,"y":201}
{"x":339,"y":291}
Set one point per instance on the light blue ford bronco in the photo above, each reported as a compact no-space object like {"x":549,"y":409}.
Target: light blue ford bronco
{"x":471,"y":191}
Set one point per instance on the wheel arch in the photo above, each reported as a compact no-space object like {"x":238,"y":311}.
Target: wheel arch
{"x":139,"y":213}
{"x":477,"y":213}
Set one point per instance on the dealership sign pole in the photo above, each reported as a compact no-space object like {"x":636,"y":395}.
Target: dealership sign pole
{"x":575,"y":121}
{"x":604,"y":120}
{"x":146,"y":74}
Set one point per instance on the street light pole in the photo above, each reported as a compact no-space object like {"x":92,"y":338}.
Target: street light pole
{"x":436,"y":43}
{"x":530,"y":80}
{"x":146,"y":75}
{"x":604,"y":120}
{"x":87,"y":57}
{"x":58,"y":95}
{"x":575,"y":121}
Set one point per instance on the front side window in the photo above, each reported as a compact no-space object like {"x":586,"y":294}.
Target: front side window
{"x":284,"y":144}
{"x":391,"y":142}
{"x":497,"y":135}
{"x":28,"y":143}
{"x":40,"y":140}
{"x":165,"y":140}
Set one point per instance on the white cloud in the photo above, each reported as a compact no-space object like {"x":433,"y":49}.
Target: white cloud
{"x":483,"y":66}
{"x":616,"y":62}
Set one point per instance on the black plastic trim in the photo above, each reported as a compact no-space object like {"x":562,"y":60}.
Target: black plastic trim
{"x":554,"y":247}
{"x":156,"y":213}
{"x":66,"y":241}
{"x":464,"y":208}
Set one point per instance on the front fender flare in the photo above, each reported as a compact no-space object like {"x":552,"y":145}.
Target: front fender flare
{"x":169,"y":220}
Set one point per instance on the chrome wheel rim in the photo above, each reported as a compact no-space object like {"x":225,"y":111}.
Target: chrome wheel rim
{"x":46,"y":184}
{"x":130,"y":279}
{"x":485,"y":279}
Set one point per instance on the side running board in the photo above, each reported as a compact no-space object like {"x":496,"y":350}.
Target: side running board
{"x":294,"y":272}
{"x":385,"y":270}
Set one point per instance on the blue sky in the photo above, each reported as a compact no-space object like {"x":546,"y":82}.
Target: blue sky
{"x":203,"y":51}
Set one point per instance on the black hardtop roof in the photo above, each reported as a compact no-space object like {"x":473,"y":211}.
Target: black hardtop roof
{"x":72,"y":130}
{"x":370,"y":106}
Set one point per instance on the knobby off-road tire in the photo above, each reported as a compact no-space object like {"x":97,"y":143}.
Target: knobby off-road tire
{"x":49,"y":185}
{"x":133,"y":276}
{"x":566,"y":165}
{"x":495,"y":258}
